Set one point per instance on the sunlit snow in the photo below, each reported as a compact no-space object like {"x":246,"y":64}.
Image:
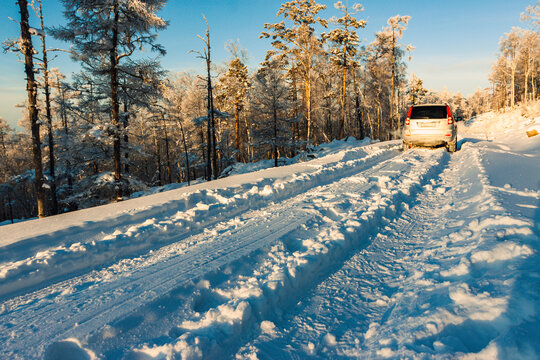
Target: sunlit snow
{"x":363,"y":252}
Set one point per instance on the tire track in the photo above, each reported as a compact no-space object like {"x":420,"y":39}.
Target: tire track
{"x":79,"y":313}
{"x":92,"y":250}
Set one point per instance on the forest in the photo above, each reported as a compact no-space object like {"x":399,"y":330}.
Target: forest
{"x":124,"y":124}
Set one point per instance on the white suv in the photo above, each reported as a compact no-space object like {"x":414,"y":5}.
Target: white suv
{"x":430,"y":125}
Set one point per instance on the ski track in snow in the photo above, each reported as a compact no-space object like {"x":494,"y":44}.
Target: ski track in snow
{"x":78,"y":308}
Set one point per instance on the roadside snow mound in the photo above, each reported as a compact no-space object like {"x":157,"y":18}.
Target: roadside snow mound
{"x":510,"y":126}
{"x":35,"y":252}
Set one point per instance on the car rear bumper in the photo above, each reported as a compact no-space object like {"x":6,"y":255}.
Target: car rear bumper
{"x":434,"y":139}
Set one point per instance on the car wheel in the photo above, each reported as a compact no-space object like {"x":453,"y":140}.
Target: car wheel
{"x":452,"y":146}
{"x":405,"y":146}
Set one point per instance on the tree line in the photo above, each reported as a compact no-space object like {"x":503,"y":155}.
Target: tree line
{"x":123,"y":123}
{"x":515,"y":76}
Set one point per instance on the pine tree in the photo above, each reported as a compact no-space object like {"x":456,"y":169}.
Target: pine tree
{"x":345,"y":40}
{"x":139,"y":86}
{"x":232,"y":89}
{"x":416,"y":90}
{"x":298,"y":44}
{"x":105,"y":32}
{"x":269,"y":99}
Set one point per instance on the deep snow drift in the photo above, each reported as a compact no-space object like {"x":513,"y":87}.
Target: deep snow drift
{"x":365,"y":252}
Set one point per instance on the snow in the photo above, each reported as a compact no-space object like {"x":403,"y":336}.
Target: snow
{"x":354,"y":250}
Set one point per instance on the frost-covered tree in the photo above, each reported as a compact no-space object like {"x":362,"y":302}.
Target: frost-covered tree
{"x":385,"y":75}
{"x":499,"y":77}
{"x":479,"y":102}
{"x":416,"y":90}
{"x":270,"y":101}
{"x":173,"y":93}
{"x":528,"y":62}
{"x":345,"y":42}
{"x":397,"y":24}
{"x":5,"y":166}
{"x":211,"y":160}
{"x":105,"y":32}
{"x":194,"y":111}
{"x":516,"y":72}
{"x":377,"y":82}
{"x":139,"y":87}
{"x":62,"y":105}
{"x":532,"y":15}
{"x":510,"y":46}
{"x":294,"y":39}
{"x":232,"y":89}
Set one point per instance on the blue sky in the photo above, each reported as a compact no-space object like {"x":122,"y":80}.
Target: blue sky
{"x":456,"y":41}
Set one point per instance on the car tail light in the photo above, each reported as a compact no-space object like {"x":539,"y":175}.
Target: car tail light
{"x":408,"y":118}
{"x":449,"y":114}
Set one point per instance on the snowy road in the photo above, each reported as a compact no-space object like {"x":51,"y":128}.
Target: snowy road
{"x":365,"y":252}
{"x":83,"y":305}
{"x":359,"y":311}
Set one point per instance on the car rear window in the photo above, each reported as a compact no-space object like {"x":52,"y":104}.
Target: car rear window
{"x":428,"y":112}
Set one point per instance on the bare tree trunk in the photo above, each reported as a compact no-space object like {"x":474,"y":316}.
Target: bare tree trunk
{"x":249,"y":140}
{"x":379,"y":115}
{"x":10,"y":207}
{"x":185,"y":149}
{"x":274,"y":142}
{"x":533,"y":85}
{"x":307,"y":87}
{"x":113,"y":72}
{"x":125,"y":121}
{"x":398,"y":107}
{"x":28,"y":51}
{"x":512,"y":88}
{"x":294,"y":129}
{"x":207,"y":168}
{"x":209,"y":143}
{"x":212,"y":151}
{"x":371,"y":132}
{"x":167,"y":155}
{"x":52,"y":160}
{"x":343,"y":89}
{"x":66,"y":133}
{"x":357,"y":111}
{"x":392,"y":96}
{"x":513,"y":66}
{"x":527,"y":72}
{"x":237,"y":130}
{"x":4,"y":177}
{"x":214,"y":147}
{"x":158,"y":156}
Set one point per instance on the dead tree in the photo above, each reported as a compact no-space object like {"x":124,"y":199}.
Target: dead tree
{"x":31,"y":88}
